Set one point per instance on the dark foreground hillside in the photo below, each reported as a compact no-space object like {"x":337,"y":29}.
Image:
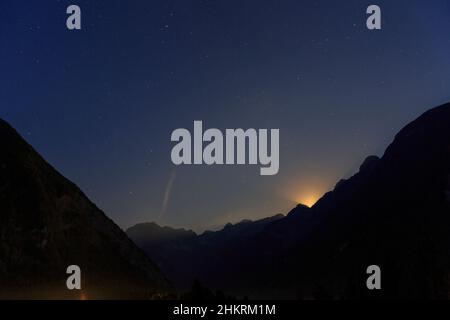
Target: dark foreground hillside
{"x":47,"y":224}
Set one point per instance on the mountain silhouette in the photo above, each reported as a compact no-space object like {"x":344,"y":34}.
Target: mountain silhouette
{"x":47,"y":224}
{"x":394,"y":213}
{"x":185,"y":256}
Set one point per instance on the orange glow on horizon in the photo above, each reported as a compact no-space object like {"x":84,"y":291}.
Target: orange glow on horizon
{"x":308,"y":199}
{"x":307,"y":188}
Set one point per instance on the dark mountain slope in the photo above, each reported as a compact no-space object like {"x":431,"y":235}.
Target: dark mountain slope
{"x":47,"y":224}
{"x":394,"y":213}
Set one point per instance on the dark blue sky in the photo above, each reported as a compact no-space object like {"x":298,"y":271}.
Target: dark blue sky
{"x":100,"y":104}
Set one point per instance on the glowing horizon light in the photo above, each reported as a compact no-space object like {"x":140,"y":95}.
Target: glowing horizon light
{"x":308,"y":199}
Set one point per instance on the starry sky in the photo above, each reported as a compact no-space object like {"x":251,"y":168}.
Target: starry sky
{"x":101,"y":103}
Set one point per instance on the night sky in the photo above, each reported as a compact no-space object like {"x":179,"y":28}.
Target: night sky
{"x":100,"y":104}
